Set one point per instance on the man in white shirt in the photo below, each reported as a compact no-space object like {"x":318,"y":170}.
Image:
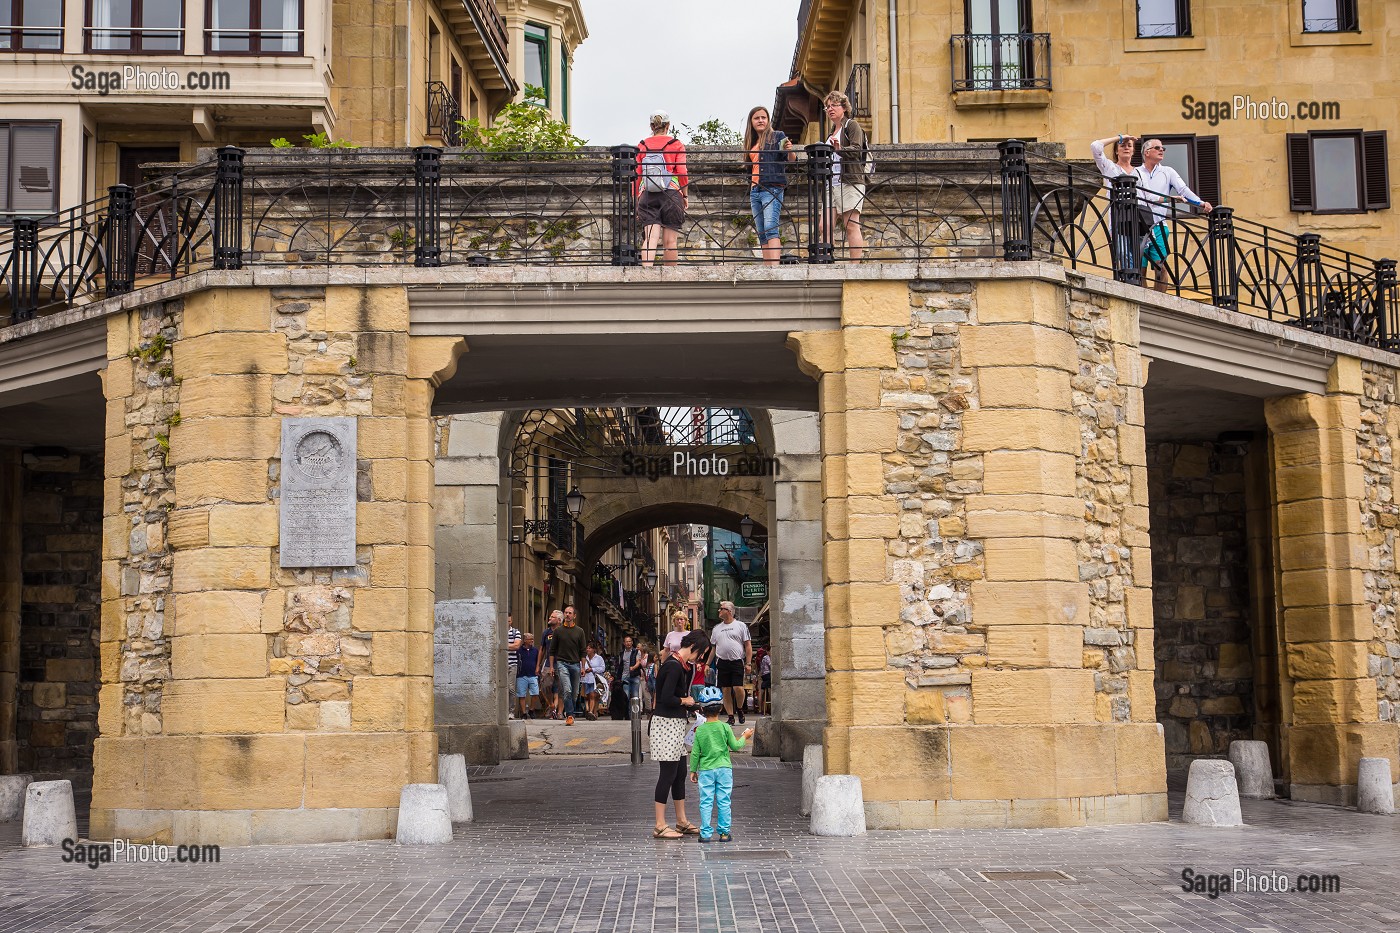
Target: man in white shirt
{"x":1157,"y":185}
{"x":733,"y":656}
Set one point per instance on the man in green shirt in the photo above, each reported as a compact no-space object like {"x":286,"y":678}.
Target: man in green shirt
{"x":710,"y":766}
{"x":568,"y":647}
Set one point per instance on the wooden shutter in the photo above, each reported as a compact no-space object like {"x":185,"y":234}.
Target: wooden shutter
{"x":1183,"y":26}
{"x":4,"y":166}
{"x":1300,"y":172}
{"x":34,"y":167}
{"x":1375,"y":171}
{"x":1142,"y":139}
{"x":1348,"y":18}
{"x":1207,"y":180}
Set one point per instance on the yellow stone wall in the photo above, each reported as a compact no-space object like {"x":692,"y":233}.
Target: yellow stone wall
{"x":1107,"y":81}
{"x":241,"y":702}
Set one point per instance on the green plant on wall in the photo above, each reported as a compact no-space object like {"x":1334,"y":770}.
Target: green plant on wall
{"x":522,"y":126}
{"x":314,"y":141}
{"x":713,"y":132}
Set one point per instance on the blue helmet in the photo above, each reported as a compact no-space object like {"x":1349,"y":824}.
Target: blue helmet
{"x":710,"y":696}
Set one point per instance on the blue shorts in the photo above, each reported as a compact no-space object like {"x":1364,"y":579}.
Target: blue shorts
{"x":527,"y":686}
{"x":589,"y":689}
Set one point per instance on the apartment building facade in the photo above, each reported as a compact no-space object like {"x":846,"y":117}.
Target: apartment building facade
{"x":94,"y":89}
{"x":1283,"y":110}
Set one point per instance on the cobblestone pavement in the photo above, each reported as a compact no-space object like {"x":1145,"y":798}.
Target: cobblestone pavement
{"x":604,"y":737}
{"x":564,"y":844}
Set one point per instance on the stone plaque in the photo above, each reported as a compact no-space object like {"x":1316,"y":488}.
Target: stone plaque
{"x":317,"y":519}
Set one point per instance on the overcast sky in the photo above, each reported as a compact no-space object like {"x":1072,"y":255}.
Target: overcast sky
{"x":715,"y":58}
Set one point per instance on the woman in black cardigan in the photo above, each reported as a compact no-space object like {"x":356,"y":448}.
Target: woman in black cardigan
{"x":669,"y":721}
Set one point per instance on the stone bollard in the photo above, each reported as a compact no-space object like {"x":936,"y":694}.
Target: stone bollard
{"x":1252,"y":769}
{"x":1374,"y":791}
{"x":1212,"y":799}
{"x":49,"y":817}
{"x":452,"y":774}
{"x":838,"y":806}
{"x":12,"y":789}
{"x":423,"y":816}
{"x":813,"y":767}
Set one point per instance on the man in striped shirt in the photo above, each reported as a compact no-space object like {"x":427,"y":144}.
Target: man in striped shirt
{"x":512,"y":657}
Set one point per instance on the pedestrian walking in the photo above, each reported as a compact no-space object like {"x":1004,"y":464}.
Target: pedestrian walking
{"x":662,"y":190}
{"x":668,"y":727}
{"x":733,"y":659}
{"x":527,"y":681}
{"x":629,"y":668}
{"x":711,"y":767}
{"x":548,"y":697}
{"x":569,"y":646}
{"x":769,"y":151}
{"x":594,"y":668}
{"x":512,"y":658}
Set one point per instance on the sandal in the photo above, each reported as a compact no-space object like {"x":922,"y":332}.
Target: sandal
{"x":665,"y":832}
{"x":690,"y":829}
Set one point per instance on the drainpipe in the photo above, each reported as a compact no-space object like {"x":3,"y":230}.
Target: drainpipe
{"x":894,"y":71}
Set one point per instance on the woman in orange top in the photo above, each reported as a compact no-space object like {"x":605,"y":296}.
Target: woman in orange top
{"x":768,"y":178}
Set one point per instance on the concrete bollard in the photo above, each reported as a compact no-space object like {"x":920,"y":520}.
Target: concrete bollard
{"x":423,"y":816}
{"x":49,"y":817}
{"x":1252,"y":769}
{"x":838,"y":806}
{"x":1212,"y":798}
{"x":452,"y":774}
{"x":12,"y":790}
{"x":1374,"y":791}
{"x":813,"y":767}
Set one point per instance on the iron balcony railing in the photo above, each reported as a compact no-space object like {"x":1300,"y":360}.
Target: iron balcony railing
{"x":858,"y":91}
{"x":553,"y":521}
{"x":1000,"y":62}
{"x":444,"y":114}
{"x":426,"y":208}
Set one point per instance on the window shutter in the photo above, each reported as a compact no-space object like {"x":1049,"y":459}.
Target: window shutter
{"x":1208,"y":168}
{"x":1183,"y":24}
{"x":34,"y":168}
{"x":4,"y":166}
{"x":1142,"y":139}
{"x":1300,"y":173}
{"x":1375,"y":170}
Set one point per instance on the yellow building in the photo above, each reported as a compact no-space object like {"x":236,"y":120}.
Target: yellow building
{"x":1278,"y":109}
{"x":92,"y":89}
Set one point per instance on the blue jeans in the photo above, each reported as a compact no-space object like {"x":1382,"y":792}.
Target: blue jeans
{"x":567,"y":683}
{"x":716,"y":785}
{"x":767,"y":205}
{"x":634,"y":687}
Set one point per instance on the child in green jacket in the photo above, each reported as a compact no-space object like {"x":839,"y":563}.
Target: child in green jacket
{"x":710,"y":766}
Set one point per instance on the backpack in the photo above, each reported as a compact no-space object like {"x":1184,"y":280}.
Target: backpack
{"x":656,"y":175}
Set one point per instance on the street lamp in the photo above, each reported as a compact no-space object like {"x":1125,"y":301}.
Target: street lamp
{"x":651,"y":579}
{"x":629,"y":550}
{"x":574,"y":502}
{"x":663,"y":599}
{"x":746,"y":526}
{"x":745,"y":562}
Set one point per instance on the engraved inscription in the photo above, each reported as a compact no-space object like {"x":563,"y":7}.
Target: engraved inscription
{"x":318,"y":492}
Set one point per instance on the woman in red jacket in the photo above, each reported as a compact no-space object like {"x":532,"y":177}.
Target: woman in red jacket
{"x":662,"y":185}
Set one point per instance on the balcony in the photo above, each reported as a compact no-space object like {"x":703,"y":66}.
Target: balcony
{"x":481,"y":30}
{"x":999,"y":67}
{"x":381,"y":209}
{"x":444,"y":114}
{"x":858,"y":90}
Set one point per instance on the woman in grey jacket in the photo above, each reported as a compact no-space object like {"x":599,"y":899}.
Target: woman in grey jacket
{"x":848,"y":171}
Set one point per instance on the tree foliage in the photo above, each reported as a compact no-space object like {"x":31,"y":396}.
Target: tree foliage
{"x":522,"y":126}
{"x":314,"y":141}
{"x":713,"y":132}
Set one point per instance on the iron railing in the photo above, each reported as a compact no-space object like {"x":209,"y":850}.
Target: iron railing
{"x":1000,"y":61}
{"x":858,"y":91}
{"x":553,"y":521}
{"x":426,"y":208}
{"x":444,"y":114}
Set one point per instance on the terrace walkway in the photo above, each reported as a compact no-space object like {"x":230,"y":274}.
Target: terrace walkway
{"x":562,"y":844}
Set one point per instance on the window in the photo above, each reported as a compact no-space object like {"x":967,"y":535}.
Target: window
{"x":1195,"y":158}
{"x":28,"y":168}
{"x":135,"y":26}
{"x":564,"y":84}
{"x":999,"y":51}
{"x":1330,"y":16}
{"x":31,"y":26}
{"x":253,"y":27}
{"x":1338,"y":172}
{"x":537,"y":58}
{"x":1158,"y":19}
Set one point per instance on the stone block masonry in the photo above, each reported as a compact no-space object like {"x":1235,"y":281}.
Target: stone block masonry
{"x":61,"y":599}
{"x":239,"y":696}
{"x":1380,"y":516}
{"x":1201,"y":599}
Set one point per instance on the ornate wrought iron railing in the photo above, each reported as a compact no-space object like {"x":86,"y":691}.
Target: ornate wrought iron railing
{"x":444,"y":114}
{"x":858,"y":91}
{"x":1000,"y":62}
{"x":553,"y":521}
{"x":429,"y":208}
